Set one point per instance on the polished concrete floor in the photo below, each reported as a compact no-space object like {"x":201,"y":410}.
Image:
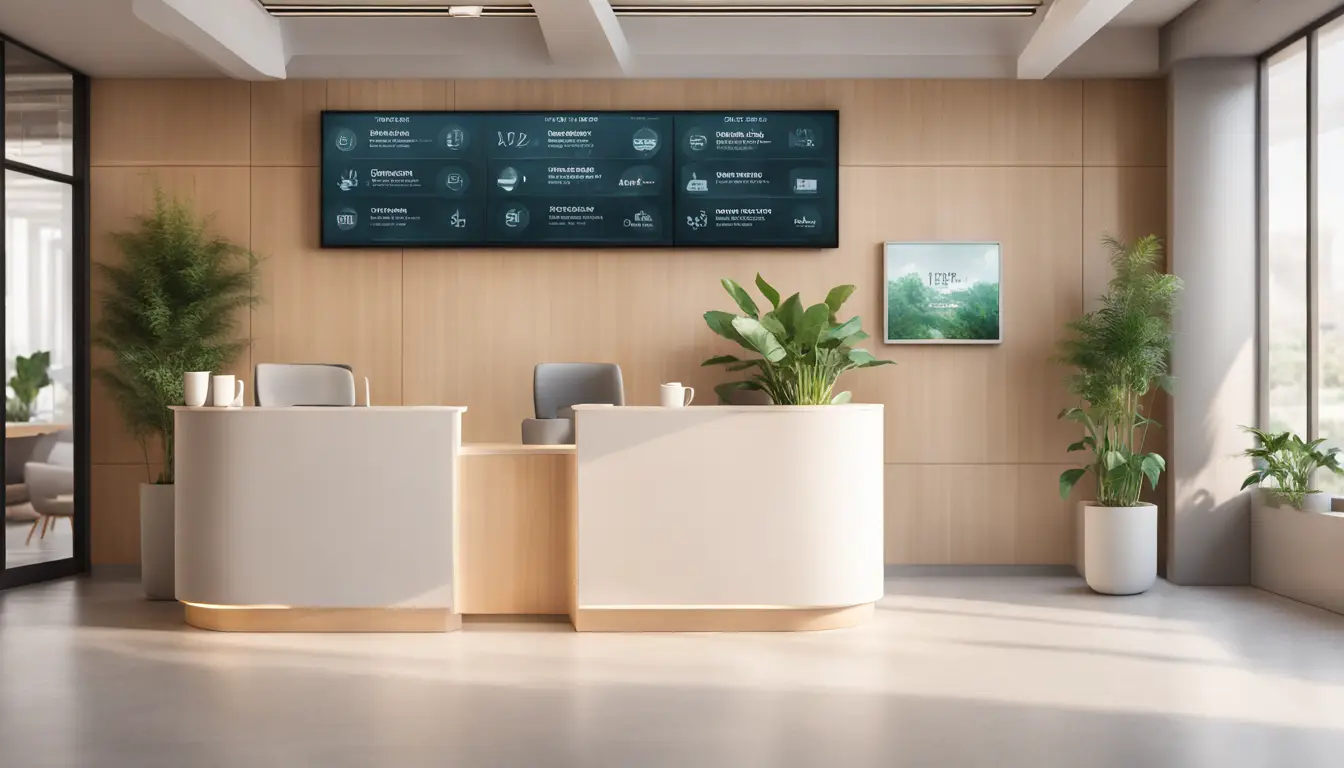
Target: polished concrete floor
{"x":58,"y":544}
{"x":966,"y":671}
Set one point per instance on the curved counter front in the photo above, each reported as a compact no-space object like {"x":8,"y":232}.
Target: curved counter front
{"x":728,"y":518}
{"x":317,"y":519}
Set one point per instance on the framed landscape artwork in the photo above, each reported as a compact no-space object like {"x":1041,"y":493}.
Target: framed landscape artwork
{"x":942,"y":293}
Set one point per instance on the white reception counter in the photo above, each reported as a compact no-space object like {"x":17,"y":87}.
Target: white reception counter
{"x":377,"y":519}
{"x":728,"y":518}
{"x":317,"y":519}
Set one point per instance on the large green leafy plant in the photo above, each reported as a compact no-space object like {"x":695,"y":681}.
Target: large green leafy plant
{"x":802,"y":350}
{"x":1120,"y":352}
{"x":170,"y":306}
{"x":1284,"y":464}
{"x":30,"y":376}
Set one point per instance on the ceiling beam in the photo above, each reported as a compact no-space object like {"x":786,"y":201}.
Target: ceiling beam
{"x":238,"y":36}
{"x":585,"y":34}
{"x":1066,"y":26}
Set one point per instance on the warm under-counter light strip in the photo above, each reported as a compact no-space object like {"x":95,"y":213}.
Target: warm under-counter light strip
{"x":514,"y":11}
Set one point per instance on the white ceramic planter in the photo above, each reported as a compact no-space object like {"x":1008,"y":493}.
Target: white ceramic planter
{"x":1297,"y":554}
{"x":1120,"y":548}
{"x":157,"y":541}
{"x":1079,"y":545}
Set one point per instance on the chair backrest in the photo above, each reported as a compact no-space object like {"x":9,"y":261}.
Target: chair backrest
{"x":560,"y":385}
{"x":55,"y":448}
{"x":278,"y":385}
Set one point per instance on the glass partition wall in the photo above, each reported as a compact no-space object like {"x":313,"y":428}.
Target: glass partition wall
{"x":46,"y":447}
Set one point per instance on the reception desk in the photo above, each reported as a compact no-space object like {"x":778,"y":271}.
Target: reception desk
{"x":728,"y":518}
{"x":317,"y":519}
{"x":378,"y":519}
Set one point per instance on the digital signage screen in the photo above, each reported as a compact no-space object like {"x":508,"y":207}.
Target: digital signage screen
{"x":620,"y":179}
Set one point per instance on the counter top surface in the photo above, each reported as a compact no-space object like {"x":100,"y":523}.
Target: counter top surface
{"x":731,"y":408}
{"x":514,"y":449}
{"x":252,"y":409}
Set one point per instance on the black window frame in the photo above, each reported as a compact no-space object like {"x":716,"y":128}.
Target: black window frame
{"x":78,"y":179}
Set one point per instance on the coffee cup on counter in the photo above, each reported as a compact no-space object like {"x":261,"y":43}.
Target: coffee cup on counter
{"x":195,"y":388}
{"x":676,"y":396}
{"x":222,"y":391}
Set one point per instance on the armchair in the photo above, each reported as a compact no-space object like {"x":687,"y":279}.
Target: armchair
{"x":558,"y":387}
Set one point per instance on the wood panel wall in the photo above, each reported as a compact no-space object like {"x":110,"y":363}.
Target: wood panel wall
{"x":973,"y":449}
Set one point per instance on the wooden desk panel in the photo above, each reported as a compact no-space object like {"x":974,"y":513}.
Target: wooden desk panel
{"x":515,"y":531}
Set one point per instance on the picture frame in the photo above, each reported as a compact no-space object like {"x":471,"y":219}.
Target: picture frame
{"x":942,"y":292}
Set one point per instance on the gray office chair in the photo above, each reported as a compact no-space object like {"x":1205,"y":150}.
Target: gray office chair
{"x":278,"y":385}
{"x":50,"y":477}
{"x":558,"y":387}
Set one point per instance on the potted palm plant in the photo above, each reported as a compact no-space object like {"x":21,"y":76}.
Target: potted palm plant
{"x":1119,"y":353}
{"x":168,"y":307}
{"x":802,"y":351}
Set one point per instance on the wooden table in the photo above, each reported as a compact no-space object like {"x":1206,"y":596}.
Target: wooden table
{"x":32,"y":428}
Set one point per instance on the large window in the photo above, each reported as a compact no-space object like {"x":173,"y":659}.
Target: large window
{"x":1302,"y":141}
{"x":45,"y":321}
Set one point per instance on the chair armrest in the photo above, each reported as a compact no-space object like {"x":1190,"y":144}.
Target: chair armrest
{"x":548,"y":432}
{"x":47,"y":481}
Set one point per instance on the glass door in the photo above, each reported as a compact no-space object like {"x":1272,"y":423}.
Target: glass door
{"x":46,"y":316}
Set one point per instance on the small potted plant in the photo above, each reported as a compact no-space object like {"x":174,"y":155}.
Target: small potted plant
{"x":171,"y":305}
{"x":1295,"y":538}
{"x":30,"y":377}
{"x":803,"y":350}
{"x":1284,"y":467}
{"x":1120,"y":352}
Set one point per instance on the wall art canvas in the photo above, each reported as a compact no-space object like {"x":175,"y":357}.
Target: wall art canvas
{"x":942,"y":293}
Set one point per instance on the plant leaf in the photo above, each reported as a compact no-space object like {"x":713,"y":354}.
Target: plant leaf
{"x":841,"y":398}
{"x":836,"y":299}
{"x":1152,"y":467}
{"x":721,"y":359}
{"x":759,"y":338}
{"x":773,"y":325}
{"x":790,"y":313}
{"x":1068,"y":479}
{"x":768,"y":291}
{"x":1113,"y":460}
{"x":814,"y":320}
{"x":726,"y":389}
{"x":848,"y":328}
{"x":740,"y":296}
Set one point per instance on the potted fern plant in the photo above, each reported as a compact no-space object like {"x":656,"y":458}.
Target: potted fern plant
{"x":168,"y":307}
{"x":1119,"y":353}
{"x":802,"y":351}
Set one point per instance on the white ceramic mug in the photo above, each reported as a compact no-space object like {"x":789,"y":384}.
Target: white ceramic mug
{"x":222,"y":391}
{"x":195,"y":388}
{"x":676,"y":396}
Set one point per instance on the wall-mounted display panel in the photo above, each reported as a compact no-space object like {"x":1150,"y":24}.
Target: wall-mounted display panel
{"x":592,"y":179}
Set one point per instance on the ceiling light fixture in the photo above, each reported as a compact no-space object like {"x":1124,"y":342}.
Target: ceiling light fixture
{"x":909,"y":10}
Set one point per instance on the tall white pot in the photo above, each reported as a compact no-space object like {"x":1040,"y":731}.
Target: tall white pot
{"x":156,"y":541}
{"x":1120,"y":548}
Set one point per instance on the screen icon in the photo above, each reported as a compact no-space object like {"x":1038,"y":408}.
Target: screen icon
{"x":457,"y":220}
{"x":646,"y":141}
{"x":454,"y":138}
{"x":346,"y":219}
{"x":455,"y":182}
{"x":641,"y":220}
{"x":803,"y":138}
{"x":345,"y":140}
{"x":697,"y":140}
{"x":349,"y":180}
{"x":515,"y":219}
{"x":697,"y":184}
{"x":804,"y":185}
{"x":698,"y":221}
{"x":509,"y":179}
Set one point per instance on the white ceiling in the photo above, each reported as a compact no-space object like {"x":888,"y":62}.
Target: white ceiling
{"x":106,"y":38}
